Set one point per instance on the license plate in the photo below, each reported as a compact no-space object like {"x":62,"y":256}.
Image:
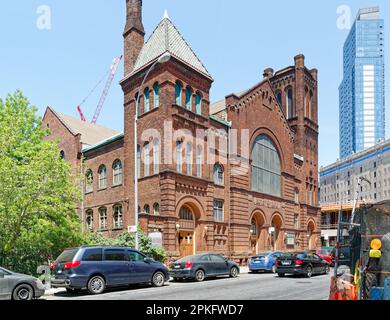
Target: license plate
{"x":176,"y":267}
{"x":286,"y":263}
{"x":59,"y":271}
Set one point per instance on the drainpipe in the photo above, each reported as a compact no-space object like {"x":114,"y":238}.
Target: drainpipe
{"x":82,"y":193}
{"x":229,"y":194}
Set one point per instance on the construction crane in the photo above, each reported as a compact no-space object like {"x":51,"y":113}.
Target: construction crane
{"x":111,"y":75}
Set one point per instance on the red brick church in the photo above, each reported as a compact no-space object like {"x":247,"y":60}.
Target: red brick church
{"x":238,"y":177}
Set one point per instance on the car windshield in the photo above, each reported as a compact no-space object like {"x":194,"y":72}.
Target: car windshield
{"x":5,"y":271}
{"x":258,"y":257}
{"x":67,"y":255}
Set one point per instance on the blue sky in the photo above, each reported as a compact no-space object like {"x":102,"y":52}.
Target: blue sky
{"x":236,"y":40}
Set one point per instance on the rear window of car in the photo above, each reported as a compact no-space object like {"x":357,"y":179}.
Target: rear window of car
{"x":258,"y":257}
{"x":326,"y":253}
{"x":67,"y":255}
{"x":299,"y":255}
{"x":188,"y":259}
{"x":115,"y":255}
{"x":93,"y":255}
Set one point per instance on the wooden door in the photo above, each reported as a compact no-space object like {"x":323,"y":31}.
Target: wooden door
{"x":186,"y":243}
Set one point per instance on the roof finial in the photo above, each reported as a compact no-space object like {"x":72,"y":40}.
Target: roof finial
{"x":166,"y":16}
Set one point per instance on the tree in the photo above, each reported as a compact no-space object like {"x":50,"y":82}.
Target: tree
{"x":38,"y":193}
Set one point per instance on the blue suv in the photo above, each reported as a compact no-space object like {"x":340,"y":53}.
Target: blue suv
{"x":97,"y":267}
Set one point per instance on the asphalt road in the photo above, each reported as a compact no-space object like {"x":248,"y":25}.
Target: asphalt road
{"x":245,"y":287}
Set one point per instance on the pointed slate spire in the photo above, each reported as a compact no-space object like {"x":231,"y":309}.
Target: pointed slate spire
{"x":167,"y":38}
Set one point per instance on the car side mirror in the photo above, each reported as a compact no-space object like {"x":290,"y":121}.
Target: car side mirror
{"x":148,"y":260}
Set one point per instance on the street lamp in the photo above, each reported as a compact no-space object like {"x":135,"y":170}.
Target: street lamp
{"x":165,"y":57}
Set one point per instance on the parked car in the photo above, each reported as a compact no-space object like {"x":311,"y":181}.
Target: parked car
{"x":264,"y":262}
{"x":303,"y":263}
{"x":325,"y":254}
{"x":16,"y":286}
{"x":202,"y":266}
{"x":97,"y":267}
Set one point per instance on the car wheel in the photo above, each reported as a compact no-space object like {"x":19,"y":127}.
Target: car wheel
{"x":199,"y":275}
{"x":309,"y":272}
{"x":274,"y":268}
{"x":234,"y":272}
{"x":96,"y":285}
{"x":327,"y":269}
{"x":281,"y":275}
{"x":23,"y":292}
{"x":158,"y":279}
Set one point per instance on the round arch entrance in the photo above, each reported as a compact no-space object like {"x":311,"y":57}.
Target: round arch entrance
{"x":257,"y":233}
{"x":187,"y":236}
{"x":275,"y":234}
{"x":311,"y":237}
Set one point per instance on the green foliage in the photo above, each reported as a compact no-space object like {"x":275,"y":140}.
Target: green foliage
{"x":128,"y":240}
{"x":38,"y":218}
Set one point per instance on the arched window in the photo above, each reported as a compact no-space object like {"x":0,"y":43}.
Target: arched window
{"x":308,"y":100}
{"x":189,"y":161}
{"x":137,"y":105}
{"x":147,"y":100}
{"x":139,"y":160}
{"x":218,"y":174}
{"x":156,"y":156}
{"x":102,"y":177}
{"x":156,"y":94}
{"x":266,"y":167}
{"x":89,"y":181}
{"x":179,"y":160}
{"x":178,"y":93}
{"x":189,"y":98}
{"x":147,"y":209}
{"x":279,"y":98}
{"x":199,"y":159}
{"x":62,"y":154}
{"x":186,"y":214}
{"x":147,"y":160}
{"x":117,"y":173}
{"x":118,"y":217}
{"x":156,"y":209}
{"x":290,"y":104}
{"x":103,"y":218}
{"x":198,"y":103}
{"x":89,"y":219}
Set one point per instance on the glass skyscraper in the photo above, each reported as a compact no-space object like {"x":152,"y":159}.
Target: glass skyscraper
{"x":362,"y":101}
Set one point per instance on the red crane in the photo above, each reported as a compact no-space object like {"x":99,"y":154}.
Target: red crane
{"x":112,"y":73}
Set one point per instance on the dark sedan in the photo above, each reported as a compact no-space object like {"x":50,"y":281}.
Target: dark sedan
{"x":202,"y":266}
{"x":18,"y":286}
{"x":302,"y":263}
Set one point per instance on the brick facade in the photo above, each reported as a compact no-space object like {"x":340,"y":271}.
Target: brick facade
{"x":294,"y":214}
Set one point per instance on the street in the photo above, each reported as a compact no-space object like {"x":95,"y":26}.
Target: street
{"x":245,"y":287}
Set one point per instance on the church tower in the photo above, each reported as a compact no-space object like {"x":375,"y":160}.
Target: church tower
{"x":133,"y":35}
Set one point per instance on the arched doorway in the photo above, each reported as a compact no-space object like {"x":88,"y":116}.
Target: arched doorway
{"x":311,"y":237}
{"x":275,"y":234}
{"x":186,"y":232}
{"x":257,"y":233}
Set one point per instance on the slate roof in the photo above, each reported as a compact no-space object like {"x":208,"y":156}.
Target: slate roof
{"x":167,"y":38}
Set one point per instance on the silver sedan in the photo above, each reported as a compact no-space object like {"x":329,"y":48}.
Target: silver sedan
{"x":18,"y":286}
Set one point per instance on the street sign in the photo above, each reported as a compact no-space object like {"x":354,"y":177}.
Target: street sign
{"x":132,"y":229}
{"x":156,"y":238}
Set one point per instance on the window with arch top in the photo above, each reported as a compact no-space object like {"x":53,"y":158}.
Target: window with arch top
{"x":198,"y":103}
{"x":117,"y":173}
{"x":102,"y":177}
{"x":290,"y":104}
{"x":178,"y":93}
{"x":156,"y":95}
{"x":189,"y":98}
{"x":266,"y":167}
{"x":218,"y":174}
{"x":147,"y":100}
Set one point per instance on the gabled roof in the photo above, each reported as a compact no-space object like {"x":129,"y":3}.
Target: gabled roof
{"x":167,"y":38}
{"x":91,"y":134}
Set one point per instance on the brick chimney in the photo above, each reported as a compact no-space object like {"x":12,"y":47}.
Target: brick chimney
{"x":299,"y":61}
{"x":268,"y":73}
{"x":134,"y":34}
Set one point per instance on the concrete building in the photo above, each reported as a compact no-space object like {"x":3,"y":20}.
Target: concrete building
{"x":339,"y":181}
{"x":362,"y":99}
{"x":237,"y":177}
